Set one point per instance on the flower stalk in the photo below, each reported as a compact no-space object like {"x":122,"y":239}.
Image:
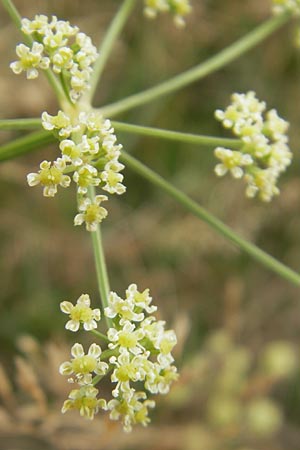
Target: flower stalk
{"x":221,"y":59}
{"x":105,"y":48}
{"x":100,"y":263}
{"x":222,"y":229}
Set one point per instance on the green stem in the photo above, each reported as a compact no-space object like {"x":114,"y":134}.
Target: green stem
{"x":20,"y":124}
{"x":53,"y":81}
{"x":105,"y":48}
{"x":25,"y":144}
{"x":221,"y":59}
{"x":251,"y":249}
{"x":101,"y":271}
{"x":176,"y":136}
{"x":100,"y":335}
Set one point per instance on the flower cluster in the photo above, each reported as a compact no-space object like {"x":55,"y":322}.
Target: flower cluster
{"x":89,"y":149}
{"x":59,"y":46}
{"x":179,"y":9}
{"x":264,"y":153}
{"x":138,"y":354}
{"x":283,"y":6}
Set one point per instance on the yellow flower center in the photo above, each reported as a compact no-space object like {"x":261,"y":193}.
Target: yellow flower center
{"x":81,"y":313}
{"x":84,"y":364}
{"x":51,"y":176}
{"x":128,"y":340}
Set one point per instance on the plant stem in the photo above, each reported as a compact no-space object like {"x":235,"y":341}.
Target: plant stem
{"x":176,"y":136}
{"x":222,"y":229}
{"x":20,"y":124}
{"x":105,"y":48}
{"x":25,"y":144}
{"x":100,"y":335}
{"x":101,"y":271}
{"x":221,"y":59}
{"x":53,"y":81}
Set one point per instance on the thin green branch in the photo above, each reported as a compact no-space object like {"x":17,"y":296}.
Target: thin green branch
{"x":101,"y":271}
{"x":222,"y":229}
{"x":221,"y":59}
{"x":25,"y":144}
{"x":20,"y":124}
{"x":53,"y":81}
{"x":100,"y":335}
{"x":188,"y":138}
{"x":106,"y":45}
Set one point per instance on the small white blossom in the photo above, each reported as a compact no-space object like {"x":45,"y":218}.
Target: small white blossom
{"x":131,"y":409}
{"x":30,"y":60}
{"x":60,"y":46}
{"x":85,"y":400}
{"x":128,"y":368}
{"x":127,"y":338}
{"x":81,"y":313}
{"x":91,"y":213}
{"x":83,"y":365}
{"x":140,"y":299}
{"x":125,"y":309}
{"x":263,"y":153}
{"x":283,"y":6}
{"x":86,"y":176}
{"x":60,"y":122}
{"x":179,"y":9}
{"x":232,"y":161}
{"x":112,"y":178}
{"x":50,"y":176}
{"x":71,"y":152}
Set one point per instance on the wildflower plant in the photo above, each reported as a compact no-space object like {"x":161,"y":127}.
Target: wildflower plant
{"x":135,"y":352}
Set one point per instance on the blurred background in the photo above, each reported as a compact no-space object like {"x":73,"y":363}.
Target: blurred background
{"x":238,"y":324}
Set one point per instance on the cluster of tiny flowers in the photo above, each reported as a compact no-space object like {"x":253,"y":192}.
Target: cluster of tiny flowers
{"x":138,"y":356}
{"x":283,"y":6}
{"x":264,"y":153}
{"x":59,"y":46}
{"x":178,"y":8}
{"x":89,"y":149}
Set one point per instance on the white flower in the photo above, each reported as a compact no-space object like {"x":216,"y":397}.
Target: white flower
{"x":71,"y":152}
{"x":140,"y":299}
{"x":263,"y":153}
{"x":179,"y":9}
{"x":275,"y":126}
{"x":50,"y":176}
{"x":81,"y":313}
{"x":61,"y":122}
{"x":112,"y":178}
{"x":85,"y":400}
{"x":30,"y":60}
{"x":83,"y":365}
{"x":263,"y":183}
{"x":283,"y":6}
{"x":89,"y":145}
{"x":159,"y":381}
{"x":39,"y":24}
{"x":232,"y":161}
{"x":91,"y":212}
{"x":131,"y":410}
{"x":86,"y":176}
{"x":122,"y":308}
{"x":128,"y":368}
{"x":127,"y":338}
{"x":62,"y":59}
